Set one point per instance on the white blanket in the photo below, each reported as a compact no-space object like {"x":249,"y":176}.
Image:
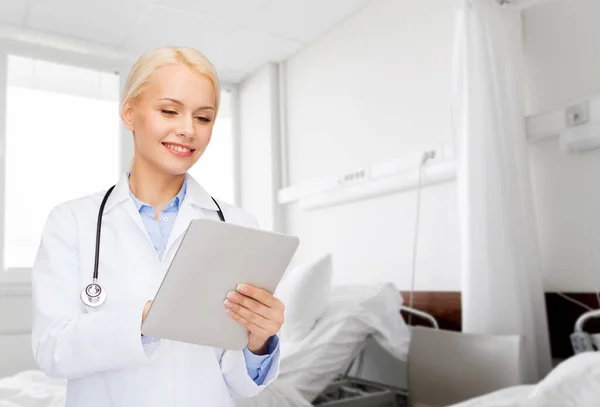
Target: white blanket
{"x":32,"y":389}
{"x":573,"y":383}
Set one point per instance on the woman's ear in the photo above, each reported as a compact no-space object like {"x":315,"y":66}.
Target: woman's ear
{"x":127,"y":116}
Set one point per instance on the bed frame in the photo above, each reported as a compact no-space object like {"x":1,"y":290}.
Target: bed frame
{"x":446,"y":308}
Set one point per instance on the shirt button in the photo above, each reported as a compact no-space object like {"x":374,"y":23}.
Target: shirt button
{"x":166,"y":219}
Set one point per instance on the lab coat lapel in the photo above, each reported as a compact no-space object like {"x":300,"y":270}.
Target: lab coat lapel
{"x":184,"y":217}
{"x":196,"y":199}
{"x":132,"y":211}
{"x":120,"y":197}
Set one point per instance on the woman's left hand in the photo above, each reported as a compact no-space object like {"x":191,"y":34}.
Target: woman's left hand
{"x":259,"y":312}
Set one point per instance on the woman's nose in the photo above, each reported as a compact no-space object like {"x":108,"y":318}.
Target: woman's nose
{"x":186,"y":128}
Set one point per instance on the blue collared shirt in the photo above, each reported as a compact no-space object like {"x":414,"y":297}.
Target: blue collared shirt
{"x":159,"y":232}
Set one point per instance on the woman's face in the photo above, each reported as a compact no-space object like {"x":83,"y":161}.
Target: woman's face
{"x":172,"y":120}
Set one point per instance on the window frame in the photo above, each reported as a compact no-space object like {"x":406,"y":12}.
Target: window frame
{"x":22,"y":276}
{"x":11,"y":279}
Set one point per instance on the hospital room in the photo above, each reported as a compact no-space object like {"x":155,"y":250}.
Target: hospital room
{"x":421,"y":179}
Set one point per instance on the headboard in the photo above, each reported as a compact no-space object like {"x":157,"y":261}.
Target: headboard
{"x":444,"y":306}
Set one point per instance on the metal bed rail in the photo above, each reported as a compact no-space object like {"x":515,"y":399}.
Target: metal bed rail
{"x":584,"y":318}
{"x":421,"y":314}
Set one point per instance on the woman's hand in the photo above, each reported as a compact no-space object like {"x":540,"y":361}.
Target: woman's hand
{"x":146,"y":309}
{"x":259,"y":312}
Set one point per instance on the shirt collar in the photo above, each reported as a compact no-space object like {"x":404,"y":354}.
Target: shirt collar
{"x":195,"y":194}
{"x":173,"y":204}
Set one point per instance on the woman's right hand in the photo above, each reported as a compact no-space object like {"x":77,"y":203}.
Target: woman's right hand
{"x":146,"y":309}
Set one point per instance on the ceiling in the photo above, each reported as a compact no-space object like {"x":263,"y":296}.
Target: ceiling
{"x":238,"y":36}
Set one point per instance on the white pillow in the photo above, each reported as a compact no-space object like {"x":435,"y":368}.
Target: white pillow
{"x":304,"y":290}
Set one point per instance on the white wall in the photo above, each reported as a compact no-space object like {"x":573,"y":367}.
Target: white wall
{"x":258,"y":131}
{"x":562,"y":45}
{"x":372,"y":89}
{"x":379,"y":85}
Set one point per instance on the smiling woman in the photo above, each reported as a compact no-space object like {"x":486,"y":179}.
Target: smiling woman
{"x":172,"y":119}
{"x":180,"y":105}
{"x":170,"y":103}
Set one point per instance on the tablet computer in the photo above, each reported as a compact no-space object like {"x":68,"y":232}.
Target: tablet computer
{"x":212,"y":259}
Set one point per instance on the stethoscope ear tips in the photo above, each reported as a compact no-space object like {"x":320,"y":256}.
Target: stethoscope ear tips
{"x":93,"y":295}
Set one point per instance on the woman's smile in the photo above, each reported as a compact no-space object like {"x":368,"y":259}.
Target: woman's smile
{"x":179,"y":150}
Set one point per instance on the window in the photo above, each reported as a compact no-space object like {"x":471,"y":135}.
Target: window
{"x":215,"y":169}
{"x":62,"y":142}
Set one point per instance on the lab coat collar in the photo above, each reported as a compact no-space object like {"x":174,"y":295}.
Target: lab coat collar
{"x":195,"y":195}
{"x":198,"y":196}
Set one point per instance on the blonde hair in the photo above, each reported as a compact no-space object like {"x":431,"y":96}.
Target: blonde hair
{"x":148,"y":63}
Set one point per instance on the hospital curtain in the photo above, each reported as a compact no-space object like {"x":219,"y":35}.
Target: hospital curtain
{"x":502,"y":288}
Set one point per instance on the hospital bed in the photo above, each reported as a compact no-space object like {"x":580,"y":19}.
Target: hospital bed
{"x":574,"y":382}
{"x":361,"y":334}
{"x":356,"y":317}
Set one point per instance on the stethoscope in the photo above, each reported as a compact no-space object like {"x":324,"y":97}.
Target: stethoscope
{"x":93,"y":295}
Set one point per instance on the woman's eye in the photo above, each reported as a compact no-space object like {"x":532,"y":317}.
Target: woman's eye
{"x":169,"y":112}
{"x":203,"y":119}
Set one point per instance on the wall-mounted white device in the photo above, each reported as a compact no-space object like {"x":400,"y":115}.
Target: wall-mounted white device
{"x":377,"y":179}
{"x":577,"y":125}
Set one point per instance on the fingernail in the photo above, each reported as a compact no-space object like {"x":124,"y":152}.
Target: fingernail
{"x":228,"y":303}
{"x":233,"y":296}
{"x":242,"y":288}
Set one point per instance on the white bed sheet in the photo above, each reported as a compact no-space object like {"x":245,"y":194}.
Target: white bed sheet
{"x":353,"y":314}
{"x":509,"y":397}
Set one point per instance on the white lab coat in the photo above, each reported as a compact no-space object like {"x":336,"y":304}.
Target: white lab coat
{"x":99,"y":350}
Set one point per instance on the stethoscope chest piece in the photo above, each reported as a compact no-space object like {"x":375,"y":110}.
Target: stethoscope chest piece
{"x":93,"y":295}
